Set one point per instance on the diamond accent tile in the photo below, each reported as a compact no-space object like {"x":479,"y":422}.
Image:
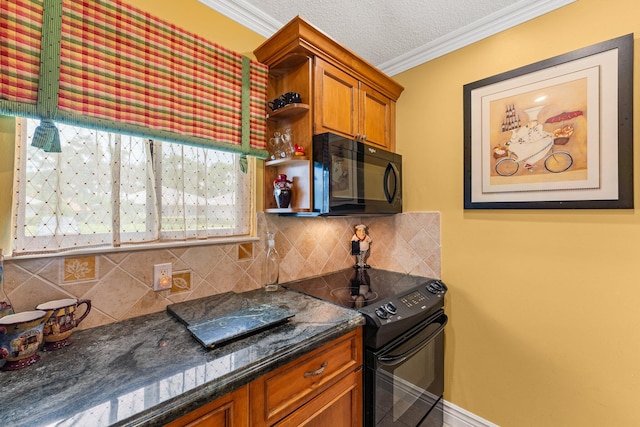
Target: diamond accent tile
{"x":79,"y":269}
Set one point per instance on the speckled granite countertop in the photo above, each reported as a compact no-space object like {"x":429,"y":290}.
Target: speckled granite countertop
{"x":150,"y":370}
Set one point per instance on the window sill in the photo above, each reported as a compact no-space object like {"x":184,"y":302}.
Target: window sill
{"x":138,"y":247}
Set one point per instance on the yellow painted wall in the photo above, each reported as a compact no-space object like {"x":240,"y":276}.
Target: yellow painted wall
{"x":544,"y":305}
{"x":200,"y":19}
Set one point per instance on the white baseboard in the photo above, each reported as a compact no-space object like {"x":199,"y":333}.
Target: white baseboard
{"x":455,"y":416}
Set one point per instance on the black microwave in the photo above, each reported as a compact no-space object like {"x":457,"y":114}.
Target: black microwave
{"x":353,"y":178}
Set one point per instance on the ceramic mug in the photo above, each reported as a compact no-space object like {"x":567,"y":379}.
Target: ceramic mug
{"x":62,"y":320}
{"x":292,"y":97}
{"x":277,"y":103}
{"x":21,"y":335}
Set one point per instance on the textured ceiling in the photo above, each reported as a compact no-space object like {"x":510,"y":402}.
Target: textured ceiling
{"x":393,"y":35}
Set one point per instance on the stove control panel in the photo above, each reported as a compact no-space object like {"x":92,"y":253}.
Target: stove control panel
{"x":414,"y":301}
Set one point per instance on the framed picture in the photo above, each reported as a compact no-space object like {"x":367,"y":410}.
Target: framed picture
{"x":554,"y":134}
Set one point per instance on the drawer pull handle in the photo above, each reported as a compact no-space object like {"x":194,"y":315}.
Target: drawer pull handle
{"x":317,"y":372}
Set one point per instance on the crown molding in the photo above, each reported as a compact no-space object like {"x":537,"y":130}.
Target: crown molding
{"x":504,"y":19}
{"x":524,"y":10}
{"x":246,"y":14}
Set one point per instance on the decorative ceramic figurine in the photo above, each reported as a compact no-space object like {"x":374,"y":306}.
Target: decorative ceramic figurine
{"x":282,"y":189}
{"x":360,"y":245}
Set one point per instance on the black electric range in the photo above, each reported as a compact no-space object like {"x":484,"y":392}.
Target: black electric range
{"x":391,"y":302}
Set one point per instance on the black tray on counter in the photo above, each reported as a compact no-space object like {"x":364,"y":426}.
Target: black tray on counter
{"x":241,"y":319}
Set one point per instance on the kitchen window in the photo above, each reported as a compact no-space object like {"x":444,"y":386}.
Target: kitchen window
{"x":108,"y":190}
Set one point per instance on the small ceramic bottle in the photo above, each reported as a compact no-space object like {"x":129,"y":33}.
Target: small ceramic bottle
{"x":5,"y":303}
{"x":271,"y":266}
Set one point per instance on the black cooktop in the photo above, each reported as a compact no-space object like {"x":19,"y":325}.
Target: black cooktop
{"x":391,"y":302}
{"x":357,"y":288}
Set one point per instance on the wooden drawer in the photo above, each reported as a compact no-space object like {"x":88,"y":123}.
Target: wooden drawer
{"x":339,"y":406}
{"x":279,"y":393}
{"x":231,"y":410}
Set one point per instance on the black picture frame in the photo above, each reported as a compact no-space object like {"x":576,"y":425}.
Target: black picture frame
{"x":599,"y":78}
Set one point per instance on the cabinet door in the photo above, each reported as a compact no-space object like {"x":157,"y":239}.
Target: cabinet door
{"x":375,"y":117}
{"x":282,"y":392}
{"x":336,"y":101}
{"x":231,"y":410}
{"x":338,"y":406}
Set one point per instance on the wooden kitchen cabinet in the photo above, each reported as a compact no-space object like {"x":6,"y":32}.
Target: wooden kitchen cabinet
{"x":231,"y":410}
{"x":340,"y":93}
{"x":349,"y":107}
{"x":322,"y":388}
{"x":339,"y":406}
{"x":324,"y":384}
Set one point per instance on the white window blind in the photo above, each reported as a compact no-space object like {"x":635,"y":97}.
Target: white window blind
{"x":112,"y":190}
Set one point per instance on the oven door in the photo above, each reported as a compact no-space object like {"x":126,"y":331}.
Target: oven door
{"x":405,"y":379}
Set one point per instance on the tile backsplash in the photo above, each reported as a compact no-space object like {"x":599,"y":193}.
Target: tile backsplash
{"x":119,"y":284}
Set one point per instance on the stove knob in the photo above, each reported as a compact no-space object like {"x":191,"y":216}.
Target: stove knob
{"x":390,"y":308}
{"x":435,"y":287}
{"x":382,"y":313}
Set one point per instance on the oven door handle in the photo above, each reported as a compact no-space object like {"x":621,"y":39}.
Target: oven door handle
{"x":396,"y":360}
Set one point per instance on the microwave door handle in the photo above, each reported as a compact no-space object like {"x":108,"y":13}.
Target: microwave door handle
{"x":390,"y":170}
{"x":396,"y":360}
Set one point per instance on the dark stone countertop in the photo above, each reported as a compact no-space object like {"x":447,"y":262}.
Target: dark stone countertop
{"x":150,"y":370}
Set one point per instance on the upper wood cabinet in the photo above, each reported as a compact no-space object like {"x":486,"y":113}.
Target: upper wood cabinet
{"x":340,"y":93}
{"x":346,"y":106}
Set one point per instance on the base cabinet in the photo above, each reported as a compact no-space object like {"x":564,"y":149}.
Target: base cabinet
{"x":338,"y":406}
{"x":322,"y":388}
{"x":231,"y":410}
{"x":309,"y":385}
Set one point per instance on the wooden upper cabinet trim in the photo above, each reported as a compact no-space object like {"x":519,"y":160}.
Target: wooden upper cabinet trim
{"x":301,"y":37}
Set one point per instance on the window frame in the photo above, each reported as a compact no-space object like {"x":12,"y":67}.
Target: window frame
{"x":160,"y":243}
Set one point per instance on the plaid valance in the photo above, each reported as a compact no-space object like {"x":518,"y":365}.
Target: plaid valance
{"x":108,"y":65}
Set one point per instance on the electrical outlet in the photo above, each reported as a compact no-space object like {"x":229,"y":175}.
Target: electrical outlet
{"x":162,"y":277}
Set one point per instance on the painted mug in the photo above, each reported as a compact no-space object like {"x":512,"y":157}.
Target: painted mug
{"x":277,"y":103}
{"x":291,"y":97}
{"x":21,"y":335}
{"x":63,"y":319}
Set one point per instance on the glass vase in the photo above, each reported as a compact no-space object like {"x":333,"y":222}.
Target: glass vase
{"x":271,"y":266}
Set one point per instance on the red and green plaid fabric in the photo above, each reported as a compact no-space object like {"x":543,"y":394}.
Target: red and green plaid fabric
{"x":121,"y":65}
{"x":20,"y":35}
